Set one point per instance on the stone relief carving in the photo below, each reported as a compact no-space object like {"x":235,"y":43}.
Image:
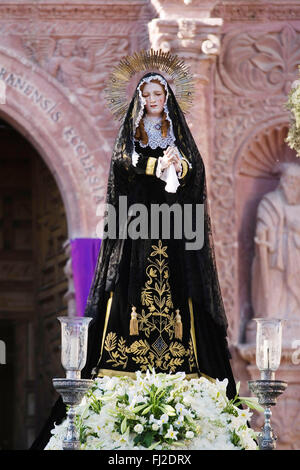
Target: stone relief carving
{"x":236,"y":137}
{"x":264,"y":152}
{"x":78,"y":44}
{"x":211,"y":45}
{"x":242,"y":110}
{"x":104,"y":9}
{"x":82,"y":65}
{"x":192,"y":39}
{"x":47,"y":28}
{"x":276,"y":265}
{"x":259,"y":63}
{"x":247,"y":11}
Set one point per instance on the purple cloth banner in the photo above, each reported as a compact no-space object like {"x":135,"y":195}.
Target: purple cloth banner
{"x":84,"y":252}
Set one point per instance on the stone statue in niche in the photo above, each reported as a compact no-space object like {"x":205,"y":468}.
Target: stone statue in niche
{"x":276,"y":264}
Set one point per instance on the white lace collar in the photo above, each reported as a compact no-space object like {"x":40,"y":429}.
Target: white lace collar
{"x":155,"y":138}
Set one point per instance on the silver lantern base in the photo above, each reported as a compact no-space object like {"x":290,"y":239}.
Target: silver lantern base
{"x":267,"y":392}
{"x":72,"y":391}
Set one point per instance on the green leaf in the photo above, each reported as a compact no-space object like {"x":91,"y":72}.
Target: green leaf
{"x":146,"y":410}
{"x":155,"y":444}
{"x":148,"y":439}
{"x":235,"y":438}
{"x":139,"y":407}
{"x":137,"y":439}
{"x":252,"y":403}
{"x":230,"y":409}
{"x":123,"y":425}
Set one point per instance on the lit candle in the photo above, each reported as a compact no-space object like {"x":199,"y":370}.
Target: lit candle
{"x":266,"y":354}
{"x":74,"y":352}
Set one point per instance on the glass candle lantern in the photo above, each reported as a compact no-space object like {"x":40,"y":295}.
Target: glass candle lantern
{"x":268,"y":346}
{"x":74,"y":337}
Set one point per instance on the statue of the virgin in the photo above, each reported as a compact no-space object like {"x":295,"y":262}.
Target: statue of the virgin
{"x":156,"y":301}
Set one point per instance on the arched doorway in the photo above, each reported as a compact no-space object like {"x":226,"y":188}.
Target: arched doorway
{"x":33,"y":229}
{"x":63,"y":179}
{"x":65,"y":135}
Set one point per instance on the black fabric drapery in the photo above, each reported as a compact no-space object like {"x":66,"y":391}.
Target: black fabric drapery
{"x":199,"y":266}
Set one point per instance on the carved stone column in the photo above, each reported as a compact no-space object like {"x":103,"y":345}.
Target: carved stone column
{"x":185,"y":28}
{"x":197,"y":42}
{"x":69,"y":296}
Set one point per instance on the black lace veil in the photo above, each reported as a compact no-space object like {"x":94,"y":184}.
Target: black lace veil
{"x":200,"y":265}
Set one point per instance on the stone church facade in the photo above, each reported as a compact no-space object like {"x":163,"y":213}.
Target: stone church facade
{"x":56,"y":139}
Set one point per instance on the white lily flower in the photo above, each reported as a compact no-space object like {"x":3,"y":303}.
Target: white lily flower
{"x":180,"y":408}
{"x":171,"y":434}
{"x":245,"y":414}
{"x":179,"y":421}
{"x":164,"y":419}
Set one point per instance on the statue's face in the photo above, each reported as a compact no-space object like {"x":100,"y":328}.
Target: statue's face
{"x":154,"y":94}
{"x":291,"y":188}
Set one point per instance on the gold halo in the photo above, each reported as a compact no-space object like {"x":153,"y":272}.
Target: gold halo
{"x":179,"y":72}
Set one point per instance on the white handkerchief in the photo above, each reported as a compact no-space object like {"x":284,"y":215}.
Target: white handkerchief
{"x":169,"y":175}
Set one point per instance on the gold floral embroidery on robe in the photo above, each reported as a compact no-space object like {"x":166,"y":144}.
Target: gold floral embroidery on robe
{"x":156,"y":319}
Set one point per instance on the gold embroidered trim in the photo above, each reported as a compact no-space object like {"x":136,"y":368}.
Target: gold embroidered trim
{"x":150,"y":165}
{"x":108,"y":307}
{"x":193,"y":334}
{"x":185,"y":168}
{"x":118,"y":357}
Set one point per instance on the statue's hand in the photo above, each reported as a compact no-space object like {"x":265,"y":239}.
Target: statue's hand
{"x":165,"y":161}
{"x":173,"y":156}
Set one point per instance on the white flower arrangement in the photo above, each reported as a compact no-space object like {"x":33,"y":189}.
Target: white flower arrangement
{"x":160,"y":411}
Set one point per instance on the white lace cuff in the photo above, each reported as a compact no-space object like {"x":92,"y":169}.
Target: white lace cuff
{"x":158,"y":168}
{"x":135,"y":157}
